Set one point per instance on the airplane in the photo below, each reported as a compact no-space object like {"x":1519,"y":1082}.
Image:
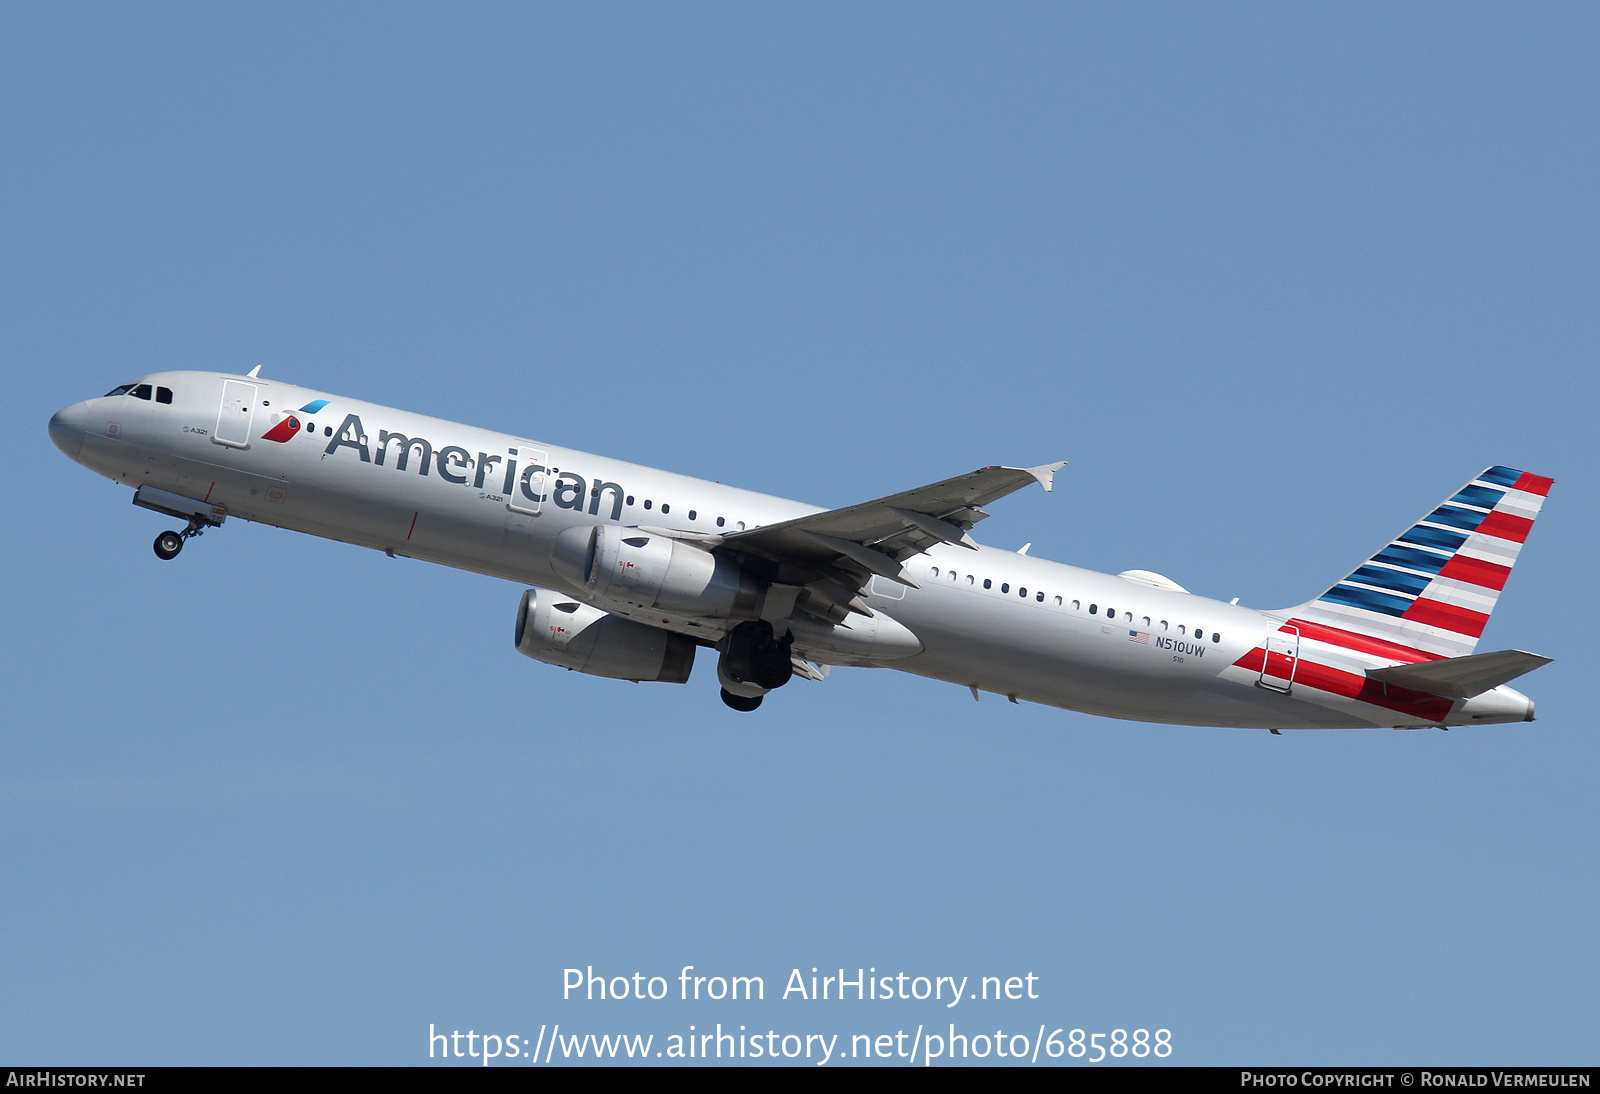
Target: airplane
{"x":630,"y":571}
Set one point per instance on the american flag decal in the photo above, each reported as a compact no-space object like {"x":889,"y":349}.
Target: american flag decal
{"x":1140,"y":637}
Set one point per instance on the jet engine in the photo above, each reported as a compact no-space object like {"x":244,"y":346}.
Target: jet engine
{"x":656,"y":571}
{"x":558,"y":631}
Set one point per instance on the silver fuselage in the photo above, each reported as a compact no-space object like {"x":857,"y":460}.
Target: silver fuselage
{"x":454,"y":501}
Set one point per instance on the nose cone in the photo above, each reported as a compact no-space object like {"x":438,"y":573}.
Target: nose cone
{"x":66,"y":428}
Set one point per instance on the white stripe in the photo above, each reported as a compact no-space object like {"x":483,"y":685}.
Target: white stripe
{"x":1491,"y":549}
{"x":1516,"y":511}
{"x":1449,"y":591}
{"x":1521,"y":499}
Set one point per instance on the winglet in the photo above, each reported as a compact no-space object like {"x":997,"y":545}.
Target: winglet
{"x":1045,"y":473}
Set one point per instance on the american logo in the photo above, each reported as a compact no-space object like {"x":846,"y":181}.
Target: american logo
{"x":291,"y":425}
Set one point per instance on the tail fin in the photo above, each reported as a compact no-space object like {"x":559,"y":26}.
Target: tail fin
{"x":1430,"y":591}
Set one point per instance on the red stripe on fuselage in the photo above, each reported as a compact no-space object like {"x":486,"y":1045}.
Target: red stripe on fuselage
{"x":1362,"y":643}
{"x":1475,"y":571}
{"x":1506,"y":526}
{"x":1534,"y":484}
{"x":1352,"y":685}
{"x":1450,"y":617}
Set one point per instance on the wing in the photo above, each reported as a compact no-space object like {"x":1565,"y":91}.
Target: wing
{"x":828,"y":557}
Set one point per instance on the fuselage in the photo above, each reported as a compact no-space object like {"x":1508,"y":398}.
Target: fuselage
{"x":988,"y":619}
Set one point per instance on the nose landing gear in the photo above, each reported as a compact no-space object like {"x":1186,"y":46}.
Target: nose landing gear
{"x":168,"y":544}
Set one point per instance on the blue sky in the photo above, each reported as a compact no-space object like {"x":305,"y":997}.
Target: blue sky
{"x":1273,"y":278}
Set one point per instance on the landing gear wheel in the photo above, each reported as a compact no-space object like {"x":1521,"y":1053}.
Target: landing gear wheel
{"x":168,"y":544}
{"x":739,"y":702}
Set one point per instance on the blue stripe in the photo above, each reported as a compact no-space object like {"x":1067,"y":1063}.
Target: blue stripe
{"x":1434,"y":537}
{"x":1456,"y":517}
{"x":1385,"y":578}
{"x":1410,"y":557}
{"x":313,"y":406}
{"x":1502,"y":476}
{"x":1366,"y":598}
{"x":1481,"y":496}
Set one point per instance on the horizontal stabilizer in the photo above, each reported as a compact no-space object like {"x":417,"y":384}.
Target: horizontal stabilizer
{"x":1461,"y":677}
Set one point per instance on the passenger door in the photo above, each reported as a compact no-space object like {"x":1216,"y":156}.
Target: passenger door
{"x":235,"y":415}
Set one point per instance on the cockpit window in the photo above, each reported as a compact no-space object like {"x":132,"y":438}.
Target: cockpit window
{"x":164,"y":395}
{"x":122,"y":390}
{"x":141,"y":392}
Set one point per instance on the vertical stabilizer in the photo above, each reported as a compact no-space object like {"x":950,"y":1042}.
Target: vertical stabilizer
{"x":1429,"y":593}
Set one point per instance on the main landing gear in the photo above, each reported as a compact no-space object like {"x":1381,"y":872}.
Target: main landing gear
{"x":754,"y":661}
{"x":168,"y":544}
{"x":739,"y":702}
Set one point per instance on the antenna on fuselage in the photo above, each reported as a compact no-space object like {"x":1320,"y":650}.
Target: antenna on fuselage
{"x":253,"y":373}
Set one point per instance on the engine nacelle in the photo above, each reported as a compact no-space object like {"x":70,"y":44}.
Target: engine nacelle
{"x":656,"y":571}
{"x":559,"y":631}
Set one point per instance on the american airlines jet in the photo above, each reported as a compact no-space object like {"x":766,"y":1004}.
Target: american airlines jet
{"x":632,"y":571}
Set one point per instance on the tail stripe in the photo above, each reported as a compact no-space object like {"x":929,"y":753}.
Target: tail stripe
{"x":1506,"y":526}
{"x":1535,"y":484}
{"x":1456,"y":517}
{"x":1412,"y":559}
{"x":1383,"y":577}
{"x":1448,"y":616}
{"x":1477,"y":571}
{"x":1481,"y":496}
{"x":1425,"y":536}
{"x":1432,"y":588}
{"x":1368,"y":599}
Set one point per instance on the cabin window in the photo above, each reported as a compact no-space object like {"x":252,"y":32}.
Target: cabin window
{"x":1163,"y":624}
{"x":666,"y":508}
{"x":1181,"y":630}
{"x":969,"y":579}
{"x":1147,"y":620}
{"x":647,"y":503}
{"x":1111,"y":613}
{"x":988,"y":584}
{"x":691,"y":514}
{"x":741,"y":525}
{"x":630,"y":499}
{"x":721,"y":521}
{"x":1022,"y":593}
{"x":1093,"y":609}
{"x":952,"y":575}
{"x":1005,"y":586}
{"x":1215,"y":637}
{"x":164,"y":395}
{"x":327,"y":431}
{"x":1077,"y":605}
{"x":1040,"y":598}
{"x":933,"y":571}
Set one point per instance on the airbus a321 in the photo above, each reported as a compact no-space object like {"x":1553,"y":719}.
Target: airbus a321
{"x":632,"y":571}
